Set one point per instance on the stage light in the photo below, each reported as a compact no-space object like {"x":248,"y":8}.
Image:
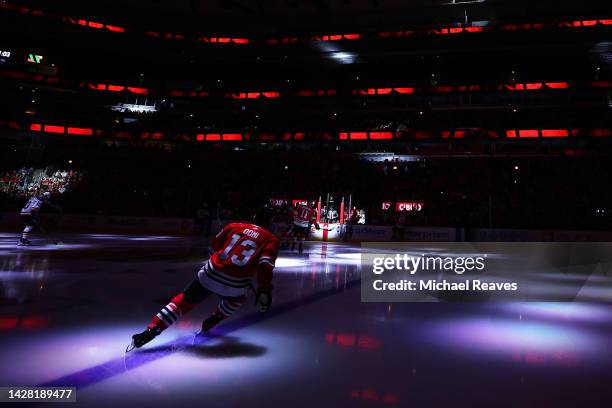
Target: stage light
{"x":343,"y":57}
{"x":135,"y":108}
{"x":335,"y":52}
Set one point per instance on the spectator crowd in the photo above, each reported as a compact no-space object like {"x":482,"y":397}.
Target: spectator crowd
{"x":505,"y":192}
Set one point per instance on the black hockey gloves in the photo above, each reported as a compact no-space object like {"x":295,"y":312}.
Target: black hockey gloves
{"x":263,"y":299}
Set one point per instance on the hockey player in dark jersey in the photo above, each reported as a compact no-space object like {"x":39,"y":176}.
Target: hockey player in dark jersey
{"x":239,"y":252}
{"x":30,"y":213}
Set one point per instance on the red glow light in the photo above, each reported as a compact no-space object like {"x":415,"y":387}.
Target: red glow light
{"x":528,"y":133}
{"x":404,"y":90}
{"x":8,"y":322}
{"x":142,"y":91}
{"x":80,"y":131}
{"x":232,"y":136}
{"x":534,"y":86}
{"x":54,"y":129}
{"x":601,"y":132}
{"x":555,"y":133}
{"x":271,"y":94}
{"x":345,"y":340}
{"x":474,"y":29}
{"x":381,"y":135}
{"x":358,"y":135}
{"x":115,"y":29}
{"x":557,"y":85}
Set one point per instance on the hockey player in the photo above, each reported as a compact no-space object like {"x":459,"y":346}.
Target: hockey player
{"x":350,"y":221}
{"x":303,"y":216}
{"x":30,"y":213}
{"x":239,"y":252}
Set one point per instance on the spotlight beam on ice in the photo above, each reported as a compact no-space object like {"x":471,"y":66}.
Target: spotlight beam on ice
{"x":104,"y":371}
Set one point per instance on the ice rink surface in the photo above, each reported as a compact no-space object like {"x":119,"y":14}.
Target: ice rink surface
{"x":67,"y":313}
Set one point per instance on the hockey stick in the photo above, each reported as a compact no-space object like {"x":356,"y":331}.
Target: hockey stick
{"x":46,"y":233}
{"x":219,"y":215}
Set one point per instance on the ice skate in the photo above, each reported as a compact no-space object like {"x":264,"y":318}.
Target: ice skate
{"x":209,"y":323}
{"x":24,"y":242}
{"x":140,"y":339}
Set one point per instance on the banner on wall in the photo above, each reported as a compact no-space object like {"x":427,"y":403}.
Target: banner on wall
{"x":409,"y":206}
{"x":372,"y":233}
{"x":431,"y":234}
{"x":403,"y":206}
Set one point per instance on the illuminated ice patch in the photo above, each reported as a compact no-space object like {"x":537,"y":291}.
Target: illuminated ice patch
{"x":505,"y":335}
{"x":44,"y":247}
{"x":22,"y":275}
{"x":347,"y":259}
{"x":131,"y":238}
{"x":284,"y":262}
{"x":151,"y":238}
{"x":571,"y":312}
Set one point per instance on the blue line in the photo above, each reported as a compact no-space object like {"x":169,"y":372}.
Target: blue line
{"x":101,"y":372}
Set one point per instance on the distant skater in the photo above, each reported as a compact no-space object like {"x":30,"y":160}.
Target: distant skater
{"x":30,"y":215}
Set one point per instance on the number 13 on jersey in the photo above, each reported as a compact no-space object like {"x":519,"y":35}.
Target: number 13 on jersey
{"x":239,"y":250}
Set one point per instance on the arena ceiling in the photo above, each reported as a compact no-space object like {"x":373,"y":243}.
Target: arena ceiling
{"x":274,"y":15}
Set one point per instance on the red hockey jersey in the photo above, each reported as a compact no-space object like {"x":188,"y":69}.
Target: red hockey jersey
{"x":303,"y":216}
{"x":240,"y":251}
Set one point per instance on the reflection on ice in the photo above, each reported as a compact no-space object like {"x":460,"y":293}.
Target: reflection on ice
{"x":571,"y":311}
{"x":286,"y":262}
{"x":503,"y":335}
